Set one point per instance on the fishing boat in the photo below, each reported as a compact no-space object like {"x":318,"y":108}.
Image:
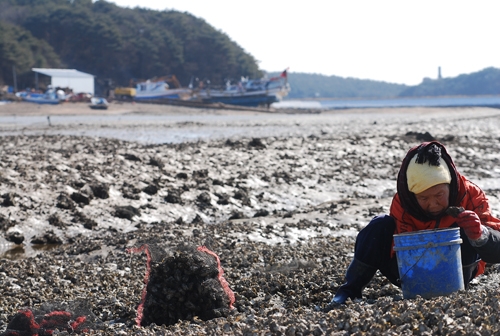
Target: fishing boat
{"x":159,"y":88}
{"x":49,"y":97}
{"x":97,"y":103}
{"x":247,"y":92}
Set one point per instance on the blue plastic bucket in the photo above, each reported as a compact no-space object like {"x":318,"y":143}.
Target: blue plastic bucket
{"x":429,"y":262}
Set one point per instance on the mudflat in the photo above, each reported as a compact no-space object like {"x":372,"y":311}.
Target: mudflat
{"x":279,"y":196}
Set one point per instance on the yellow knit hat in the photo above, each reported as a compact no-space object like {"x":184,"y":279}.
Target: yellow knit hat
{"x":421,"y":177}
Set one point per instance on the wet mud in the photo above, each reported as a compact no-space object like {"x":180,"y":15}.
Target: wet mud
{"x":281,"y":213}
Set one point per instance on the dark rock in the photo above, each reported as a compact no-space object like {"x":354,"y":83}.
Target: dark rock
{"x":233,"y":144}
{"x":130,"y":191}
{"x":204,"y":198}
{"x":197,"y":220}
{"x":200,"y":174}
{"x":313,"y":137}
{"x":157,"y":162}
{"x":129,"y":195}
{"x":54,"y":220}
{"x":425,"y":137}
{"x":236,"y":215}
{"x":257,"y":144}
{"x":80,"y":198}
{"x":240,"y":194}
{"x":174,"y":197}
{"x":288,"y":178}
{"x":15,"y":237}
{"x":9,"y":199}
{"x":181,"y":175}
{"x":64,"y":202}
{"x":100,"y":190}
{"x":82,"y":219}
{"x":131,"y":157}
{"x":87,"y":191}
{"x":447,"y":138}
{"x":5,"y":223}
{"x":223,"y":200}
{"x":150,"y":189}
{"x":217,"y":182}
{"x":48,"y":238}
{"x":261,"y":213}
{"x":126,"y":212}
{"x":78,"y":184}
{"x":421,"y":136}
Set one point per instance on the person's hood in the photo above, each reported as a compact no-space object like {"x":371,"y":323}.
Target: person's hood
{"x":408,"y":199}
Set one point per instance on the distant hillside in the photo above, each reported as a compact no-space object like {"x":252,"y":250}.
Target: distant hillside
{"x":305,"y":85}
{"x":484,"y":82}
{"x":118,"y":44}
{"x":115,"y":43}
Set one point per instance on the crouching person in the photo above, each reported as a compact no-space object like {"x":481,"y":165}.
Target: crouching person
{"x":428,"y":184}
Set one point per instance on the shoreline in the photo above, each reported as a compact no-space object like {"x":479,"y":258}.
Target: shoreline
{"x":117,"y":108}
{"x":156,"y":124}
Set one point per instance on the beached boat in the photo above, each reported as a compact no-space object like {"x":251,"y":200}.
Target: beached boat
{"x":247,"y":92}
{"x":160,"y":89}
{"x":97,"y":103}
{"x":49,"y":97}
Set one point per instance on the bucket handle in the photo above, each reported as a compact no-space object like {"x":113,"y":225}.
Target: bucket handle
{"x":428,"y":245}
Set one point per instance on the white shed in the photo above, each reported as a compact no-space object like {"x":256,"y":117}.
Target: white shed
{"x":79,"y":82}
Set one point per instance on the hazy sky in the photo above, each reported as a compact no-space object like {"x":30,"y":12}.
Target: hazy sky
{"x":394,"y":41}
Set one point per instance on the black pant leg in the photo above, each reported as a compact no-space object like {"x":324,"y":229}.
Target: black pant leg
{"x":470,"y":258}
{"x":374,"y":245}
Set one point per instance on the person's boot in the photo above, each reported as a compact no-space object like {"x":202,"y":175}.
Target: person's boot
{"x":469,"y":272}
{"x":357,"y":276}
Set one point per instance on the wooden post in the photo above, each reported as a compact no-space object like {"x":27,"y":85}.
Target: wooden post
{"x":15,"y":78}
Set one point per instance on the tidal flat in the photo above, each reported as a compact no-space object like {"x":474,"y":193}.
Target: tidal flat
{"x":278,"y":196}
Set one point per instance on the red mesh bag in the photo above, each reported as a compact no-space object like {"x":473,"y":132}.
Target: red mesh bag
{"x":73,"y":317}
{"x":181,"y":286}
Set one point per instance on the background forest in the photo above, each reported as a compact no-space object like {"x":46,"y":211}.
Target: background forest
{"x":118,"y":44}
{"x":115,"y":43}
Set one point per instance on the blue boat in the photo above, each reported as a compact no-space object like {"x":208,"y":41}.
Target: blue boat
{"x":49,"y":97}
{"x":247,"y":92}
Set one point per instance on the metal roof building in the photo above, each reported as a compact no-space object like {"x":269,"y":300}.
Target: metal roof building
{"x":79,"y":82}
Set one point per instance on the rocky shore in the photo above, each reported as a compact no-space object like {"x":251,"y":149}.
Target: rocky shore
{"x":281,"y":212}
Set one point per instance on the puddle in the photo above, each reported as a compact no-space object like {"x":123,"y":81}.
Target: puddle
{"x":18,"y":252}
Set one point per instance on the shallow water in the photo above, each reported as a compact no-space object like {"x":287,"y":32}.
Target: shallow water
{"x":154,"y":129}
{"x":16,"y":252}
{"x":157,"y":129}
{"x":392,"y":102}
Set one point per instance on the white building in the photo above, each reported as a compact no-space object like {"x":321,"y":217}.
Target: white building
{"x":79,"y":82}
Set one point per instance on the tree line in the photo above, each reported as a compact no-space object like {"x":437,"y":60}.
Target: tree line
{"x":114,"y":43}
{"x":118,"y":45}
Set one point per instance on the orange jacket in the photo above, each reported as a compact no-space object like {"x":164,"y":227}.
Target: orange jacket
{"x":473,"y":199}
